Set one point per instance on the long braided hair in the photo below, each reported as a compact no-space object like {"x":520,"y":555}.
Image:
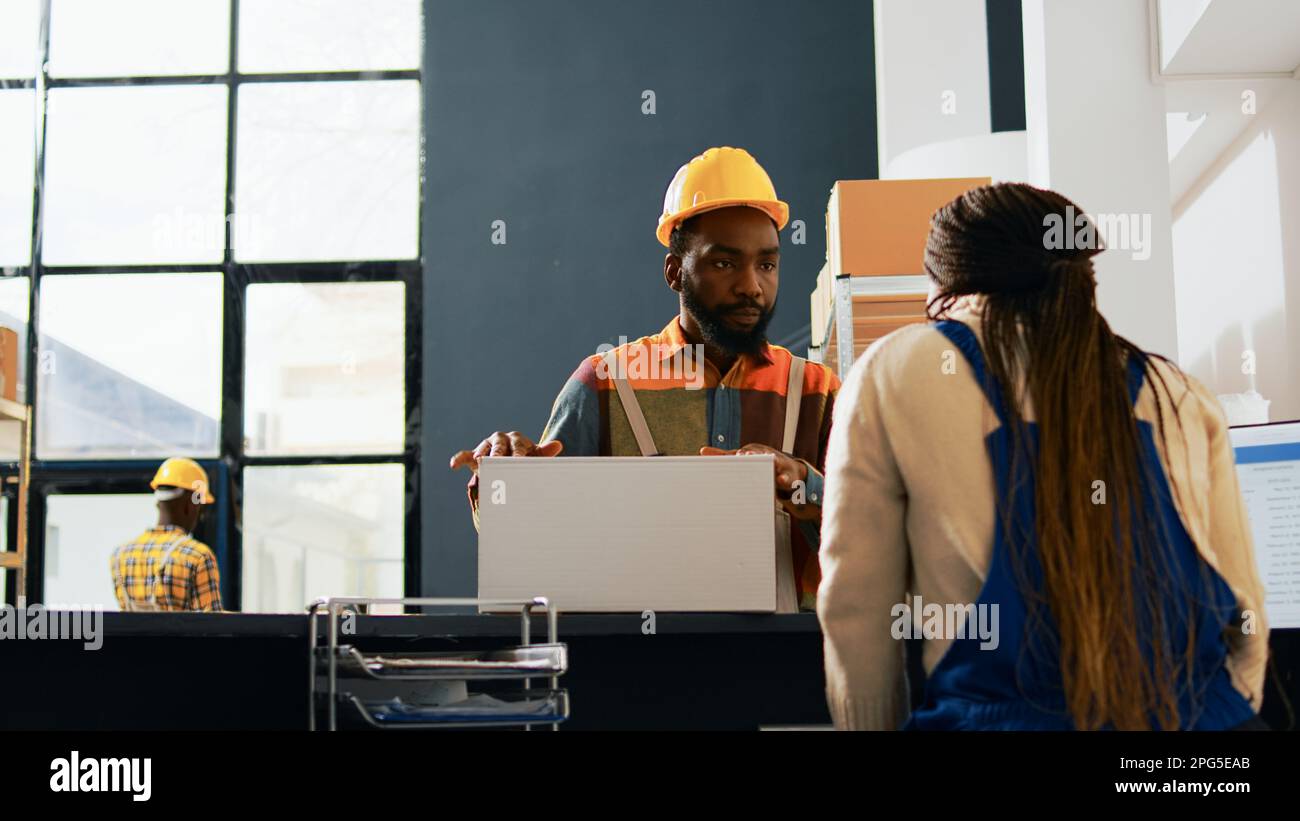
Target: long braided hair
{"x":1103,"y":573}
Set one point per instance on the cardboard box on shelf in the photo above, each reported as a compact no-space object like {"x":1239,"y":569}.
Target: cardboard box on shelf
{"x":875,"y":235}
{"x":876,"y":316}
{"x":9,"y":364}
{"x":820,"y":302}
{"x":878,"y":227}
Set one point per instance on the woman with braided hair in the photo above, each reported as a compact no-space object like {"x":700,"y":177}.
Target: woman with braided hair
{"x":1065,"y":505}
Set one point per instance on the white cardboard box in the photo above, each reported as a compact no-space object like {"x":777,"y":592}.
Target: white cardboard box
{"x":628,"y":534}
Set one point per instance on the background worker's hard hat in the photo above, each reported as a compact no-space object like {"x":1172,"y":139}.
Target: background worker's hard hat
{"x":719,"y":178}
{"x":182,"y":473}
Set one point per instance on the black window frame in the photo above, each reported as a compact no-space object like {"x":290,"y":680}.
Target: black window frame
{"x":55,"y":476}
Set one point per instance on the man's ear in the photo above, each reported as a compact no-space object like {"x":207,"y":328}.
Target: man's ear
{"x":673,"y":272}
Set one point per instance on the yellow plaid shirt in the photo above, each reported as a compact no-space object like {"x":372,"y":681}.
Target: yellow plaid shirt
{"x":178,"y":570}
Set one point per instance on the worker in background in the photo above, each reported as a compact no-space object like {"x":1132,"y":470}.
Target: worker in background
{"x":720,"y":223}
{"x":166,"y":568}
{"x":1070,"y":498}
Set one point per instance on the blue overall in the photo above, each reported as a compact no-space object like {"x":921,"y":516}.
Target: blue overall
{"x":1017,"y":685}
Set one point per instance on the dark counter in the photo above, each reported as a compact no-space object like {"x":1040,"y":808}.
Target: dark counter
{"x":698,"y":671}
{"x":233,"y":625}
{"x":249,"y":671}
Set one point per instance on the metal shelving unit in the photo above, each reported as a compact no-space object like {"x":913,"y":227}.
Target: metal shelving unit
{"x":876,"y":231}
{"x":16,"y":557}
{"x":369,"y":685}
{"x":839,"y":319}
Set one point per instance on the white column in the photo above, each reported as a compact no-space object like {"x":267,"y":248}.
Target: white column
{"x":932,"y":73}
{"x":1096,"y":126}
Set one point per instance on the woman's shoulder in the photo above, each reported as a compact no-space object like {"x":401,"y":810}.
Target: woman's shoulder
{"x":907,"y":366}
{"x":1179,"y":391}
{"x":902,"y":346}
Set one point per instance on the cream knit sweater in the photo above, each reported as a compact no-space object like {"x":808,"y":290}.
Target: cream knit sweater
{"x":909,"y":508}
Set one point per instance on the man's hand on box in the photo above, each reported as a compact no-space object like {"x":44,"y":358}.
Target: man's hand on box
{"x":513,"y":443}
{"x":788,"y":469}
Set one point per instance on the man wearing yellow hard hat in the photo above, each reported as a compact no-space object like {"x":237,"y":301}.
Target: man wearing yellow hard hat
{"x":166,"y":568}
{"x":709,"y":382}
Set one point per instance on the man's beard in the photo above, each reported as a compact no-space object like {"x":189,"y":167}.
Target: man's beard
{"x":714,"y":329}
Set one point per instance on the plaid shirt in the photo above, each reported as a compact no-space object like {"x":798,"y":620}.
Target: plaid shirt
{"x":188,"y":580}
{"x":744,"y":406}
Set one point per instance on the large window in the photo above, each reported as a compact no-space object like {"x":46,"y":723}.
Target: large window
{"x":210,"y":247}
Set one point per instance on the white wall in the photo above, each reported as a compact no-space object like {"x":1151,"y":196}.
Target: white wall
{"x":1223,"y":279}
{"x":1237,"y":262}
{"x":1000,"y":156}
{"x":1096,"y":127}
{"x":925,"y":48}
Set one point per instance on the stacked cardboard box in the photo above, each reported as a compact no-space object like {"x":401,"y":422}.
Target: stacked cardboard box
{"x":875,"y":245}
{"x":875,"y":316}
{"x":8,"y":364}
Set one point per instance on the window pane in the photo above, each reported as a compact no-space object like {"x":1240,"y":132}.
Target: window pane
{"x":20,"y":32}
{"x":328,"y":171}
{"x":328,"y":35}
{"x":80,"y":534}
{"x":17,"y":170}
{"x":135,"y":175}
{"x":325,"y":368}
{"x":95,"y":38}
{"x":130,"y":366}
{"x":321,"y":530}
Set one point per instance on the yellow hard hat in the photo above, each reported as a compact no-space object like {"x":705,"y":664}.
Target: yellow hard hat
{"x":719,"y":178}
{"x":186,"y":474}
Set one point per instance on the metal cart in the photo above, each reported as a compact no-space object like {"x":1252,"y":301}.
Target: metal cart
{"x":435,"y":684}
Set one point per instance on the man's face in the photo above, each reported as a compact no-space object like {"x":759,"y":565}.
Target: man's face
{"x":729,"y":277}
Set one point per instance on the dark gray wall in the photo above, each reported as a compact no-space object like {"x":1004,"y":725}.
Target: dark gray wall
{"x":1006,"y":64}
{"x":533,"y":116}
